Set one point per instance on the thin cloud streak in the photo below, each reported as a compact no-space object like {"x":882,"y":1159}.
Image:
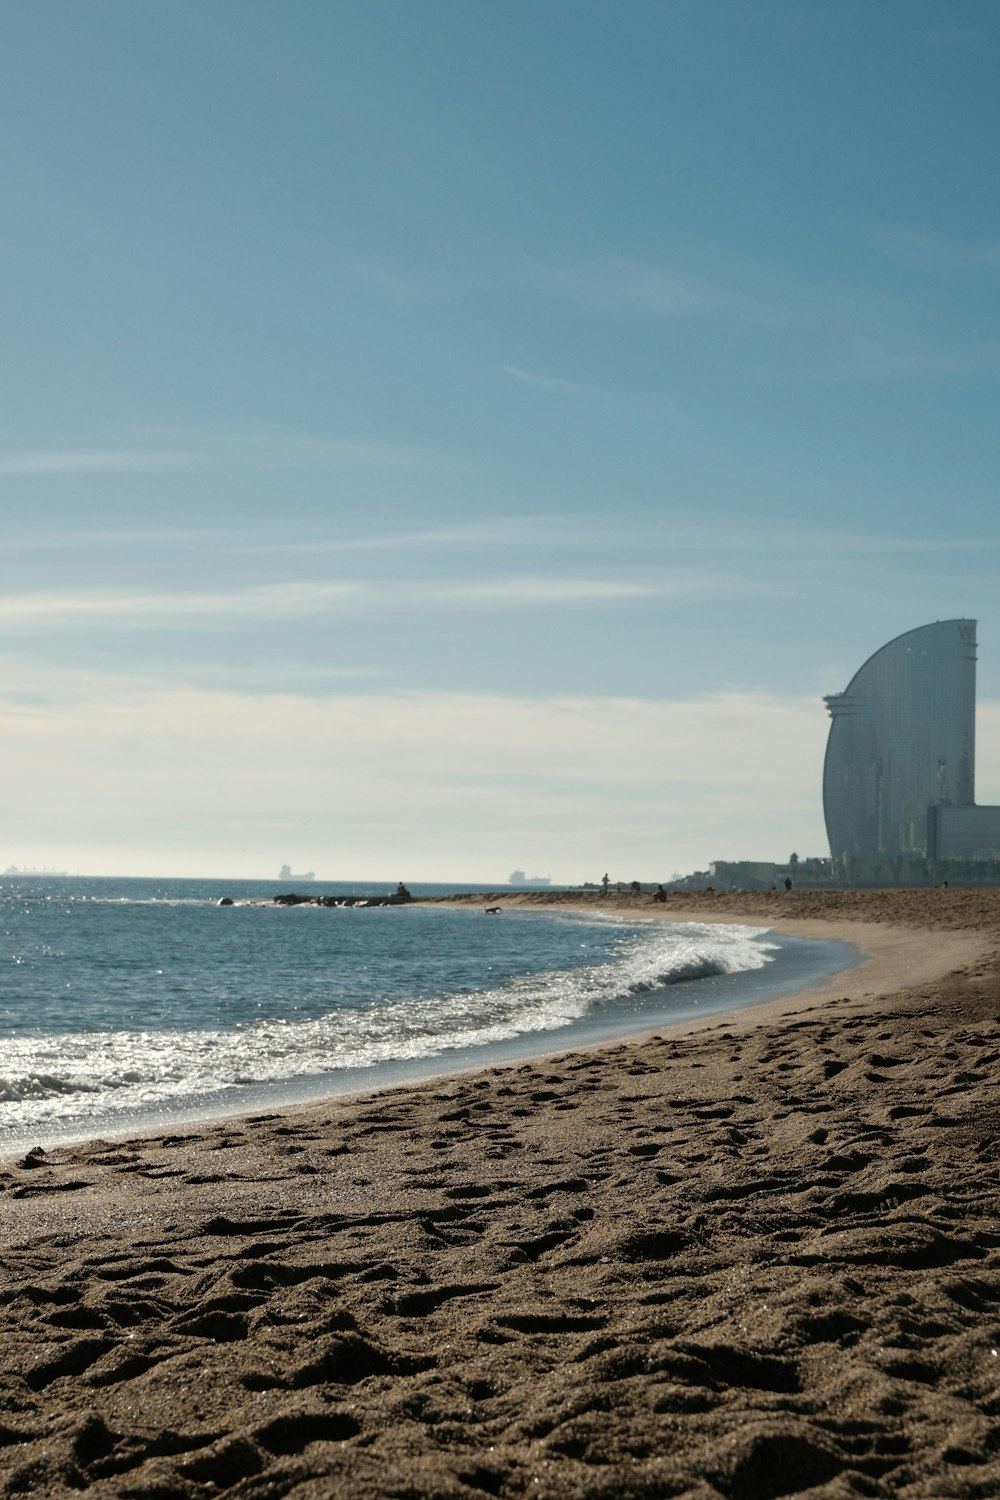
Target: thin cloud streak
{"x":550,"y":383}
{"x":621,"y":285}
{"x":734,"y":534}
{"x":940,"y":252}
{"x":557,"y":386}
{"x":82,"y":461}
{"x":603,"y":284}
{"x":104,"y":541}
{"x":612,"y":285}
{"x":96,"y":606}
{"x":207,"y":453}
{"x":511,"y":529}
{"x":835,"y":320}
{"x":866,"y":358}
{"x":297,"y":600}
{"x":516,"y":592}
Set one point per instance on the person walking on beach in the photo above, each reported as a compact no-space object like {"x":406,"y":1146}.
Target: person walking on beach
{"x":604,"y":885}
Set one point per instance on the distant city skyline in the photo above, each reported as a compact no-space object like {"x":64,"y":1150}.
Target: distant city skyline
{"x":438,"y":440}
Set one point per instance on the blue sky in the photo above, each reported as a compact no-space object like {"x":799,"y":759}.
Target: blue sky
{"x":442,"y":437}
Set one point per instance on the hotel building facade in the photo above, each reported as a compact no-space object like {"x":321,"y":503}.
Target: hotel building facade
{"x":899,"y":773}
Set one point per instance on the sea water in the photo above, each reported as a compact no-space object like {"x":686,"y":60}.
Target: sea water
{"x":130,"y":1002}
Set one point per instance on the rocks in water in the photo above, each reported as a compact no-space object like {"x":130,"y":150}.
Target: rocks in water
{"x":292,"y":898}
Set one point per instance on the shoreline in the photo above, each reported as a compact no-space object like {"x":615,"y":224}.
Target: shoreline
{"x":889,"y":958}
{"x":892,"y":957}
{"x":737,"y":1263}
{"x":191,"y":1112}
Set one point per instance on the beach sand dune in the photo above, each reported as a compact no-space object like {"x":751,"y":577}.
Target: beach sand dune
{"x":732,"y":1265}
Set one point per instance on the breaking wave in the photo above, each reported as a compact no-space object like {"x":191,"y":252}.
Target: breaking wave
{"x":47,"y":1079}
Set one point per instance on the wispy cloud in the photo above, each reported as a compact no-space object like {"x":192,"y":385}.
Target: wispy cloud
{"x":511,"y":529}
{"x":185,"y":452}
{"x":45,"y":609}
{"x":501,"y":530}
{"x":864,"y":357}
{"x":937,"y":251}
{"x":733,"y":534}
{"x":838,"y":356}
{"x":104,"y":541}
{"x":549,"y":382}
{"x":96,"y":461}
{"x":112,"y":606}
{"x":621,"y":285}
{"x":520,"y":592}
{"x":556,"y":386}
{"x":604,"y":284}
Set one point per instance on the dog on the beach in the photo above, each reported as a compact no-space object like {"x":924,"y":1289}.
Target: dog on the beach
{"x":493,"y":911}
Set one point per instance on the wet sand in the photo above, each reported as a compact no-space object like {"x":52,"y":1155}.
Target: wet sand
{"x":755,"y":1260}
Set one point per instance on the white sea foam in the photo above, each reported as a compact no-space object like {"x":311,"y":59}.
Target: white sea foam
{"x":49,"y":1079}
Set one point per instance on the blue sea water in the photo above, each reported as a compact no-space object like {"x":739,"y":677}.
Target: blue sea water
{"x":129,"y":1002}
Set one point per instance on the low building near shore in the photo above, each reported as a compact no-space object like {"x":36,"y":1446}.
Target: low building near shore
{"x":812,"y":873}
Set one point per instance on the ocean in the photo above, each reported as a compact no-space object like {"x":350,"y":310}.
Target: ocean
{"x":127,"y":1004}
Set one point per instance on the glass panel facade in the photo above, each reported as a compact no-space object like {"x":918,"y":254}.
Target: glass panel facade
{"x":967,"y":833}
{"x":902,"y":742}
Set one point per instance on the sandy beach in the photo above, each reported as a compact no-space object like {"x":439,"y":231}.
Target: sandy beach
{"x":751,"y":1260}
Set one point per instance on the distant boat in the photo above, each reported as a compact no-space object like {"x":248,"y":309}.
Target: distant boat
{"x":285,"y":873}
{"x":13,"y":870}
{"x":518,"y":877}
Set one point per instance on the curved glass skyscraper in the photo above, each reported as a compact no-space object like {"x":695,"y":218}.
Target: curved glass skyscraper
{"x":902,"y":744}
